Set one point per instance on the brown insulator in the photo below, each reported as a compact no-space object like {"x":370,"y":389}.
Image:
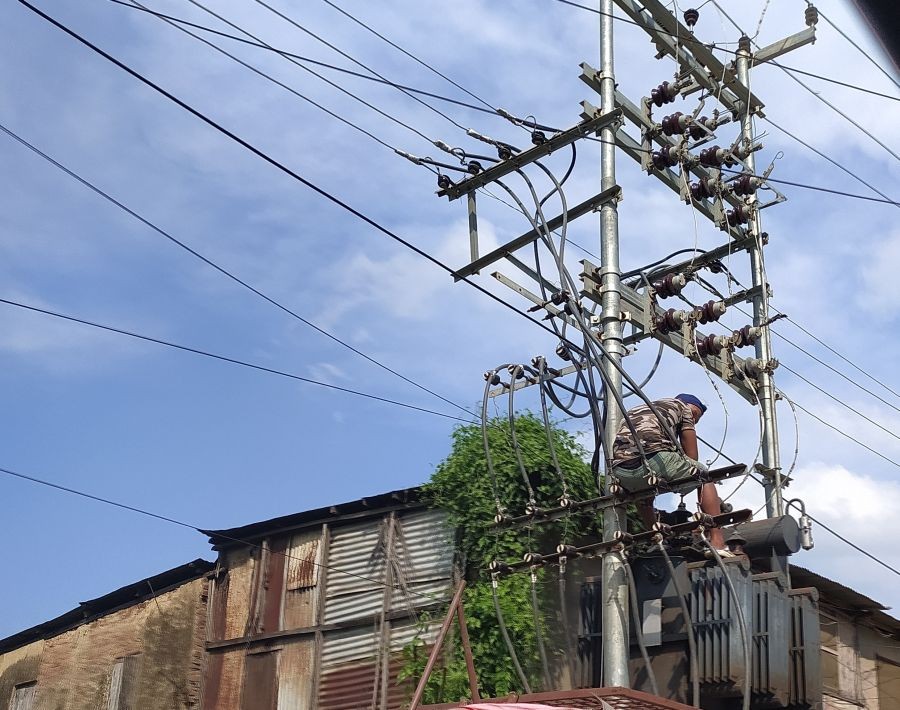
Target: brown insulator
{"x":696,"y":130}
{"x":538,"y":137}
{"x":444,"y":182}
{"x":562,"y":352}
{"x":691,"y":15}
{"x":711,"y":345}
{"x":811,"y":15}
{"x":712,"y":157}
{"x":670,"y":286}
{"x":704,"y":189}
{"x":745,"y":185}
{"x":492,"y":377}
{"x":474,"y":167}
{"x":739,"y":215}
{"x":670,"y":321}
{"x":745,"y":336}
{"x":665,"y":93}
{"x":665,"y":158}
{"x":710,"y":311}
{"x":674,"y":124}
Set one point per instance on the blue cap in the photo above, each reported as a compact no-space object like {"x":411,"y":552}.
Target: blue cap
{"x":691,"y":399}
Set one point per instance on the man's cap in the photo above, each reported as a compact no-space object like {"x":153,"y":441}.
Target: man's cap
{"x":691,"y":399}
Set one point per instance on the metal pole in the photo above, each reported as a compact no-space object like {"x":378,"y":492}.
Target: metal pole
{"x":438,"y":645}
{"x":615,"y":587}
{"x":770,"y":450}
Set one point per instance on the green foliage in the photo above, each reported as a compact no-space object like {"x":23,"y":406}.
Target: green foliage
{"x":462,"y":486}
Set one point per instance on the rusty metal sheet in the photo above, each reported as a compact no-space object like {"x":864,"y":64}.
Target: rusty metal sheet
{"x":295,"y":680}
{"x":274,"y":584}
{"x":241,"y":566}
{"x":303,"y":562}
{"x":224,"y":675}
{"x":302,"y":588}
{"x":260,"y":690}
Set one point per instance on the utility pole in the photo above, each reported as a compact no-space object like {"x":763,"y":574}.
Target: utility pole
{"x":763,"y":346}
{"x":720,"y":182}
{"x":615,"y":582}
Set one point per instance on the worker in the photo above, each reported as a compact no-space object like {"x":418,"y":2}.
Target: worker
{"x":664,"y":458}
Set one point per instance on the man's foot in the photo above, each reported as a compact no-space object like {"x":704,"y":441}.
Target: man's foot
{"x":723,"y":553}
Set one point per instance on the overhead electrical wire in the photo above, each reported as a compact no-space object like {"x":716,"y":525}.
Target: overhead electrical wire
{"x":222,"y":358}
{"x":408,"y":54}
{"x":812,"y":91}
{"x":344,"y":54}
{"x":174,"y":521}
{"x":272,"y":79}
{"x":302,"y":58}
{"x":259,"y":44}
{"x":277,"y":164}
{"x":222,"y":270}
{"x":311,"y":185}
{"x":859,"y":49}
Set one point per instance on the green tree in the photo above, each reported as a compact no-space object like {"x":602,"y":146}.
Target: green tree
{"x":462,"y":486}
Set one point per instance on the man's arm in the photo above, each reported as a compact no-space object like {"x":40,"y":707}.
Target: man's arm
{"x":688,"y":439}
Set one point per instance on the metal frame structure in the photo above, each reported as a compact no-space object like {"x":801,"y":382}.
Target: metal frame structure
{"x":734,"y":211}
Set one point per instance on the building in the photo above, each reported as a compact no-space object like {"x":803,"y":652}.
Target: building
{"x":140,"y":646}
{"x":313,"y":611}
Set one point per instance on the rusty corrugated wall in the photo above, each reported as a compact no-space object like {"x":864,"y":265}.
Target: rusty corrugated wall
{"x":317,"y":618}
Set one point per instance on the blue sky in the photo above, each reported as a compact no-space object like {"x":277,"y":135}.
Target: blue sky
{"x":218,"y":445}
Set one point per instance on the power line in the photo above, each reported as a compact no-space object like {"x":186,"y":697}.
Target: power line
{"x":812,"y":91}
{"x":300,"y":58}
{"x":209,"y":262}
{"x":860,"y":49}
{"x":842,"y":357}
{"x":845,"y":434}
{"x":832,"y":81}
{"x":344,"y":54}
{"x":840,"y":401}
{"x":299,"y":64}
{"x":190,"y":526}
{"x":223,"y":358}
{"x":408,"y":54}
{"x":280,"y":166}
{"x":815,"y":520}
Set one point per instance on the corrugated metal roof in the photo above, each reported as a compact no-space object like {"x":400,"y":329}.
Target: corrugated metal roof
{"x":121,"y":598}
{"x":845,"y":598}
{"x":363,"y":507}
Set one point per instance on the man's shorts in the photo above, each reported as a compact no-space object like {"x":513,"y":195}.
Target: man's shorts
{"x":666,"y":465}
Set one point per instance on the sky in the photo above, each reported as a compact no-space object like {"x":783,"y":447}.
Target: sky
{"x":214,"y":444}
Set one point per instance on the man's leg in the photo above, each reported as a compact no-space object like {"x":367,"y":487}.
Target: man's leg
{"x":711,"y":504}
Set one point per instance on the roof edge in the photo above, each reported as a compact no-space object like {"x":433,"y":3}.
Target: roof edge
{"x":121,"y":598}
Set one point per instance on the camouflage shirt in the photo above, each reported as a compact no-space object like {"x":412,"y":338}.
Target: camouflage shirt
{"x":654,"y":438}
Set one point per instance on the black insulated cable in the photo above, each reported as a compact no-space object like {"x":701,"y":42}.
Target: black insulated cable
{"x":506,"y":640}
{"x":224,"y":358}
{"x":209,"y":262}
{"x":638,"y":629}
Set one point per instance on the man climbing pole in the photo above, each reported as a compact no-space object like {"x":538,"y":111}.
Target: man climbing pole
{"x":667,"y":459}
